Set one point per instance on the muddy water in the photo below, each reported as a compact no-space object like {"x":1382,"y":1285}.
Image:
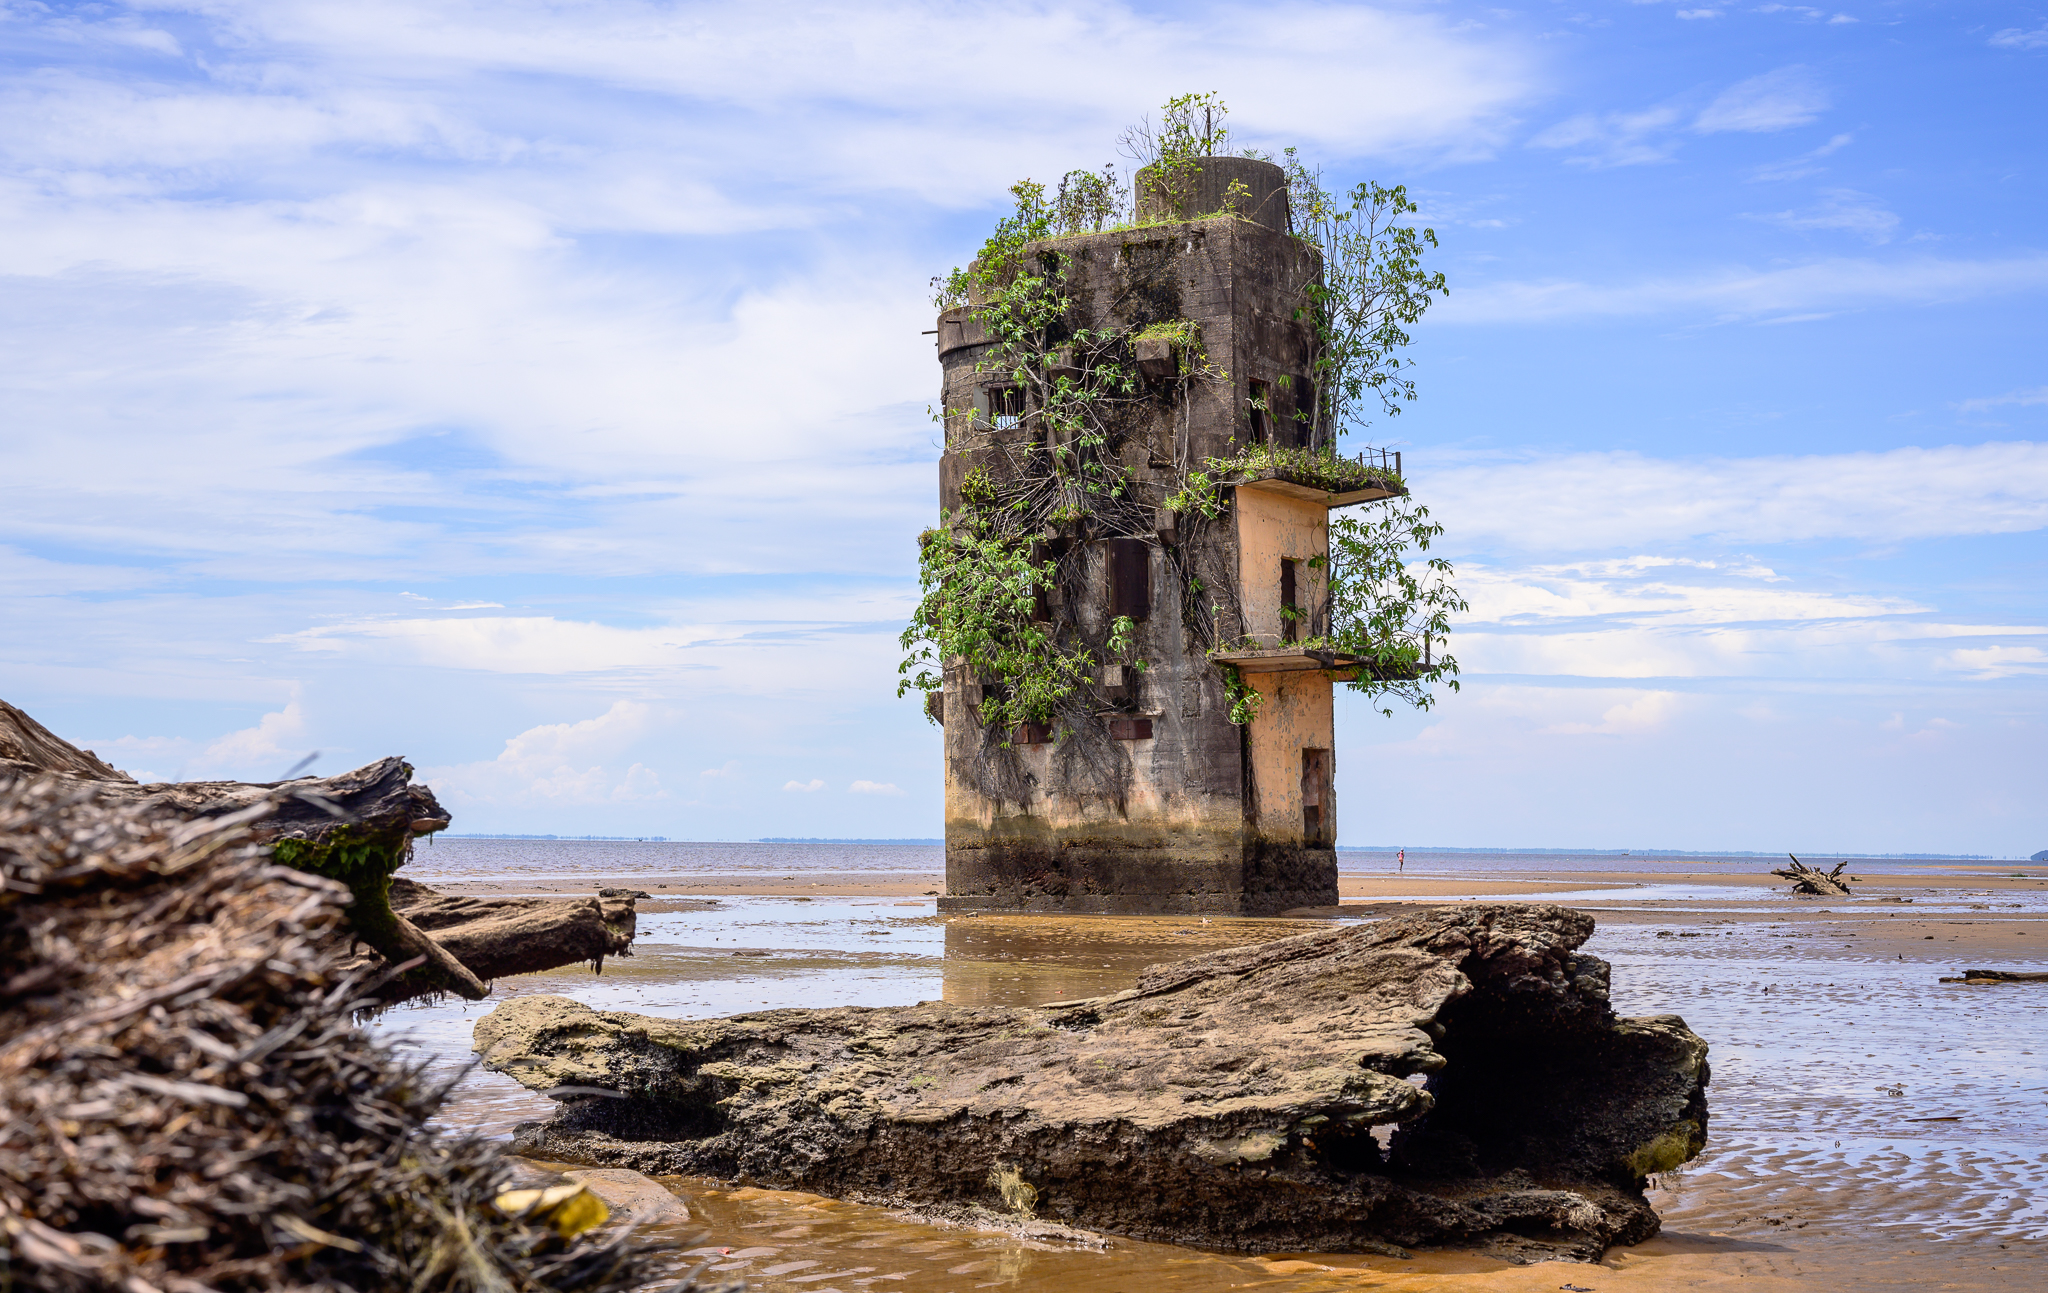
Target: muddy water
{"x":1872,"y":1126}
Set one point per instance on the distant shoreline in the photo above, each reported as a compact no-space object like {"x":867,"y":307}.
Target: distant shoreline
{"x":1421,"y":850}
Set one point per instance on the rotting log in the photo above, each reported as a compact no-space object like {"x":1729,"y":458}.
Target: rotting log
{"x":358,"y":827}
{"x":1455,"y":1077}
{"x":187,"y":1101}
{"x":495,"y":937}
{"x":2000,"y":976}
{"x":1814,"y":882}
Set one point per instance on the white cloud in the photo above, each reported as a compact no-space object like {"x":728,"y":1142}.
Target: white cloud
{"x":1776,"y":100}
{"x":1992,"y":662}
{"x":1695,"y":14}
{"x":805,"y":787}
{"x":264,"y":751}
{"x":2016,"y":38}
{"x":1841,"y":209}
{"x":873,"y":788}
{"x":1647,"y":712}
{"x":1600,"y":502}
{"x":1740,"y":293}
{"x":726,"y":769}
{"x":558,"y":765}
{"x":277,"y":740}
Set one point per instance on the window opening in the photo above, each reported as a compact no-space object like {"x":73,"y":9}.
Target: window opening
{"x":1006,"y":406}
{"x":1130,"y":578}
{"x":1315,"y":796}
{"x":1290,"y":614}
{"x":1261,"y":407}
{"x":1304,"y":410}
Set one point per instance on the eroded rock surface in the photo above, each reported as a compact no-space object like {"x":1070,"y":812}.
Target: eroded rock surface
{"x":1229,"y":1100}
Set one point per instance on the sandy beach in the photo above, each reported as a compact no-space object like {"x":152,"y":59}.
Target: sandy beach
{"x":1872,"y":1125}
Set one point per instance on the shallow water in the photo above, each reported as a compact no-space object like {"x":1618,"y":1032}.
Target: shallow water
{"x":1824,"y":1057}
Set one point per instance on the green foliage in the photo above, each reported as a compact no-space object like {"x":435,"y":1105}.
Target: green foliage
{"x":1389,"y":605}
{"x":1202,"y":492}
{"x":1374,"y":288}
{"x":1244,"y":698}
{"x":979,"y":590}
{"x":1087,"y":201}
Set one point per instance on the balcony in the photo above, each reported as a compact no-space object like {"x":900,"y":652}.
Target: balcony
{"x":1325,"y":478}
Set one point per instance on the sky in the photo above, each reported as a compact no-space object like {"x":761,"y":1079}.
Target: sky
{"x":537,"y":391}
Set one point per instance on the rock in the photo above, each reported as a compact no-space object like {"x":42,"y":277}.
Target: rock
{"x":633,"y":1198}
{"x":1228,"y":1101}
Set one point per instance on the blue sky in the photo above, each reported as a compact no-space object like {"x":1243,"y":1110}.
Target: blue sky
{"x":536,"y":390}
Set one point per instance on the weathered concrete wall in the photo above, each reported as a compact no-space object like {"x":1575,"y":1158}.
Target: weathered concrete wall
{"x":1164,"y":823}
{"x":1272,"y":528}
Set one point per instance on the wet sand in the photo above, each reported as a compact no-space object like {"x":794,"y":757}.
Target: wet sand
{"x":1872,"y":1126}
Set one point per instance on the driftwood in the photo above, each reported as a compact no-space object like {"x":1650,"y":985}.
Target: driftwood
{"x":2001,"y":976}
{"x":1816,"y":883}
{"x":358,"y":828}
{"x":1452,"y":1077}
{"x":186,"y":1101}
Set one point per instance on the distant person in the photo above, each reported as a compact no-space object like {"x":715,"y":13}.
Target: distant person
{"x":1400,"y":861}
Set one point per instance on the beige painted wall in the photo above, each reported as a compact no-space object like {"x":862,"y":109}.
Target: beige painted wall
{"x":1295,"y":713}
{"x":1269,"y":527}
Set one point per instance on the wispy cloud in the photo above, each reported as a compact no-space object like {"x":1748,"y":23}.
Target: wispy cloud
{"x":1844,"y":210}
{"x":873,"y":788}
{"x":1744,"y":293}
{"x":1790,"y":96}
{"x":1607,"y":139}
{"x":2019,"y":38}
{"x":804,"y":787}
{"x":1795,"y":168}
{"x":2037,"y":395}
{"x":1539,"y":501}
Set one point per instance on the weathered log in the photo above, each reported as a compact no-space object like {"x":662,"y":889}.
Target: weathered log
{"x":2000,"y":976}
{"x":186,"y":1102}
{"x":1228,"y":1101}
{"x":358,"y":827}
{"x":495,"y":937}
{"x":1814,"y":882}
{"x":28,"y":748}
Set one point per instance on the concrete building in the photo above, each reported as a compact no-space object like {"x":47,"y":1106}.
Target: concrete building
{"x":1152,"y":799}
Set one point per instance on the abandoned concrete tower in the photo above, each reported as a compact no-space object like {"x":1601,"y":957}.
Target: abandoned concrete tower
{"x":1150,"y":798}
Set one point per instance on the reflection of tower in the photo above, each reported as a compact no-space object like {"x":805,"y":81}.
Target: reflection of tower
{"x":1159,"y":803}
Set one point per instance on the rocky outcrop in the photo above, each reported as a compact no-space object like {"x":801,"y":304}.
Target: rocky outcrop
{"x":1455,"y":1077}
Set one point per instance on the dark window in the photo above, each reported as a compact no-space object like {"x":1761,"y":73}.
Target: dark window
{"x":1005,"y":406}
{"x":1130,"y":729}
{"x":1261,"y":410}
{"x":1304,"y":410}
{"x":1316,"y":820}
{"x":1290,"y":614}
{"x":1130,"y":578}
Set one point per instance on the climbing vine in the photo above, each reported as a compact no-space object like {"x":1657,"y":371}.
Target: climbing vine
{"x":1054,"y":450}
